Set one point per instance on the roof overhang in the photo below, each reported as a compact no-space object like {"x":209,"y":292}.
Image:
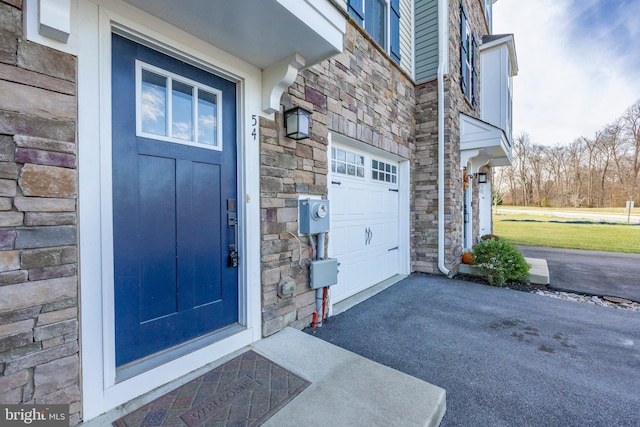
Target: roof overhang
{"x":482,"y":143}
{"x":278,"y":36}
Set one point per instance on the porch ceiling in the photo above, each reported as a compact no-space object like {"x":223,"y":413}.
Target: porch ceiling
{"x":482,"y":143}
{"x":261,"y":32}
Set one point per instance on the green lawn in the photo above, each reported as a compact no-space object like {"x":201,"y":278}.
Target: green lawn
{"x":618,"y":210}
{"x":560,"y":234}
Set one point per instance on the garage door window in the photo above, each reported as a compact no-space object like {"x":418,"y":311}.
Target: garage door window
{"x":347,"y":163}
{"x":384,"y":172}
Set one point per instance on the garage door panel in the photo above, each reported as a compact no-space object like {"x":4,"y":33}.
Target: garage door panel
{"x":377,"y":201}
{"x":354,"y":197}
{"x":348,"y":239}
{"x":357,"y":275}
{"x":385,"y":232}
{"x":390,"y":205}
{"x":364,"y":226}
{"x":349,"y":281}
{"x":339,"y":237}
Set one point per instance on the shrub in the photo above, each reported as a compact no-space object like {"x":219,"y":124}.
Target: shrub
{"x":500,"y":261}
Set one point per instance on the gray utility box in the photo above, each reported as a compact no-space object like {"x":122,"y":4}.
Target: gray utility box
{"x":314,"y":216}
{"x":324,"y":272}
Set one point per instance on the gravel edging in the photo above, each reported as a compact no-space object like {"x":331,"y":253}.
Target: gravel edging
{"x":589,"y":299}
{"x":568,"y":296}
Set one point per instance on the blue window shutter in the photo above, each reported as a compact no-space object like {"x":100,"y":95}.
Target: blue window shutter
{"x":395,"y":30}
{"x":356,"y":9}
{"x":464,"y":77}
{"x":474,"y":73}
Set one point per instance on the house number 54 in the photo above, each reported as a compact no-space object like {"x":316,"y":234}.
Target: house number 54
{"x":254,"y":126}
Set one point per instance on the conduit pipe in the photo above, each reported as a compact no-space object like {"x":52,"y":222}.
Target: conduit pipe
{"x":443,"y":62}
{"x":321,"y":293}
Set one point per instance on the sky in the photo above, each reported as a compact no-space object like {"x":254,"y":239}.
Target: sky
{"x":578,"y":62}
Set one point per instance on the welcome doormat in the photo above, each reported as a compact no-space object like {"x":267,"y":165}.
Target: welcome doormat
{"x":245,"y":391}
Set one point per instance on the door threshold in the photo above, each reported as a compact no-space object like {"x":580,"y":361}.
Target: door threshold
{"x":356,"y":299}
{"x":107,"y":418}
{"x":146,"y":364}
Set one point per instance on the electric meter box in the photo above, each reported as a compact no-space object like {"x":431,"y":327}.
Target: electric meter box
{"x":324,"y":272}
{"x":314,"y":216}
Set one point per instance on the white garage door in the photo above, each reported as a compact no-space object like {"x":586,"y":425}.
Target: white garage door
{"x":364,"y":229}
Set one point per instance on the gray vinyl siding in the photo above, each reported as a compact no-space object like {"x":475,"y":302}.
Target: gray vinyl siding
{"x":406,"y":39}
{"x":426,"y":27}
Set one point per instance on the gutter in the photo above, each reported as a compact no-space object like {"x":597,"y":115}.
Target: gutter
{"x":443,"y":61}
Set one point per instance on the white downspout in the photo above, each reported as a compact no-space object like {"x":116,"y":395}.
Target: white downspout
{"x":443,"y":62}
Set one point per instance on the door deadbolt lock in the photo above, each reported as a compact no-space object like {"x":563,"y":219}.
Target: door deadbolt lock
{"x":233,"y":258}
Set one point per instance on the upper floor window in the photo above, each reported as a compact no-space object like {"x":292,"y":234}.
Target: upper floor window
{"x":381,"y":19}
{"x":468,"y":59}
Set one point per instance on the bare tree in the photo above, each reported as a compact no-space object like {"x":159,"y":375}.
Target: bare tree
{"x":615,"y":148}
{"x":600,"y":171}
{"x":536,"y":161}
{"x":602,"y":162}
{"x":575,"y":176}
{"x":631,"y":120}
{"x":521,"y":150}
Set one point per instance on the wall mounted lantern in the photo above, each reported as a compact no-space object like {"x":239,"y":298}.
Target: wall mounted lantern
{"x":482,"y":178}
{"x":297,"y":123}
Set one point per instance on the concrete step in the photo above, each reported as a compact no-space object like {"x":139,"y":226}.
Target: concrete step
{"x":538,"y":274}
{"x":347,"y":389}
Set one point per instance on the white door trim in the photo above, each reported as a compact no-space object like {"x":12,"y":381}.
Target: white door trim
{"x":95,"y":24}
{"x":404,"y":208}
{"x":485,"y":209}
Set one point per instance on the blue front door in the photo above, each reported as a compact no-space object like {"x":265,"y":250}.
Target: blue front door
{"x":174,"y":201}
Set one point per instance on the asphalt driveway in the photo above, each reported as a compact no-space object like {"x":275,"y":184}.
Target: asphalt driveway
{"x":505,"y":358}
{"x":590,"y":272}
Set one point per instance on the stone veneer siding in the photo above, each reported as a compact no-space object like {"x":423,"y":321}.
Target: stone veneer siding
{"x":39,"y":361}
{"x":361,"y":94}
{"x":424,"y":230}
{"x":459,"y":103}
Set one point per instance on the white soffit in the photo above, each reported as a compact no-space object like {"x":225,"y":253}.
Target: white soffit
{"x":260,"y":32}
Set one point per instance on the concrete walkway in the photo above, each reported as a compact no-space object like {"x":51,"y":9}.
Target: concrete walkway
{"x":505,"y":357}
{"x":346,"y":389}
